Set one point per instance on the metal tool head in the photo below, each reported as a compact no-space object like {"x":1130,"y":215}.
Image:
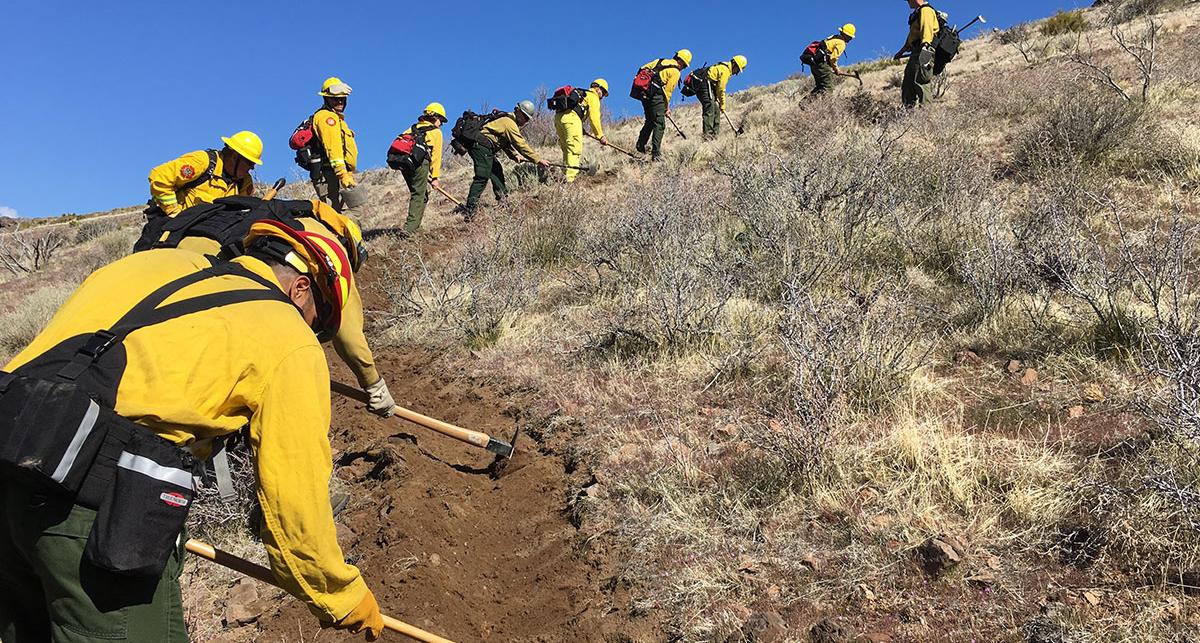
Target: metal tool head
{"x":504,"y":449}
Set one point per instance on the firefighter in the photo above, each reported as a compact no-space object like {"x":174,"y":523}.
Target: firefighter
{"x":569,"y":125}
{"x":236,"y":345}
{"x":656,"y":103}
{"x":338,"y":148}
{"x":825,"y":65}
{"x":204,"y":176}
{"x":923,"y":26}
{"x":501,"y":133}
{"x":711,"y":92}
{"x":426,"y":174}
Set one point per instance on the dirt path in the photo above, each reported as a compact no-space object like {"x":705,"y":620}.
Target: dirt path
{"x":447,"y":547}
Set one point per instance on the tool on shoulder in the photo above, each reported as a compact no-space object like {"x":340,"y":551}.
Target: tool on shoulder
{"x":678,"y":130}
{"x":273,"y":191}
{"x":475,"y":438}
{"x":260,"y":573}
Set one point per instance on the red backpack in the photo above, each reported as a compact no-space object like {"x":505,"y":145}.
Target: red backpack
{"x":645,"y":79}
{"x":409,"y":151}
{"x":567,"y":98}
{"x":814,"y":53}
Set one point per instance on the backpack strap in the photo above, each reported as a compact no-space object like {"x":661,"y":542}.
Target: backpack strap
{"x":149,"y":312}
{"x":203,"y":178}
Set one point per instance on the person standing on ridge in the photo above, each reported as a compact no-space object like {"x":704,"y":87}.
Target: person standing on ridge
{"x":710,"y":89}
{"x":204,"y":176}
{"x":656,"y":100}
{"x":822,"y":58}
{"x":923,"y":26}
{"x":336,"y":143}
{"x":500,"y":132}
{"x":152,"y":358}
{"x":421,"y":166}
{"x":569,"y":124}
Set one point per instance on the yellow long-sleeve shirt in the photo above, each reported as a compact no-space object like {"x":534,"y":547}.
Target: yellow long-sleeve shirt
{"x":435,"y":142}
{"x":506,"y":135}
{"x":167,"y":182}
{"x":593,"y":111}
{"x":719,"y":75}
{"x":836,"y":46}
{"x":206,"y":375}
{"x":922,"y":27}
{"x":668,"y":77}
{"x":337,"y":139}
{"x":350,"y":342}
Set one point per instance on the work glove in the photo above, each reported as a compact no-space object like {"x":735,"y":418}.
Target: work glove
{"x":926,"y":59}
{"x":379,"y":399}
{"x":365,"y":619}
{"x":347,"y":180}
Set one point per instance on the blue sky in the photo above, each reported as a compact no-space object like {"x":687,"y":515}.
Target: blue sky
{"x":99,"y":92}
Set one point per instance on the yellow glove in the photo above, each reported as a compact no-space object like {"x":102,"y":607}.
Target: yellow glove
{"x":364,"y":619}
{"x":172,"y":209}
{"x":347,"y":180}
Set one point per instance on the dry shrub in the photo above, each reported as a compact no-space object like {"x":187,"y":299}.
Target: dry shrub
{"x":1120,"y":11}
{"x":1064,"y":22}
{"x":26,"y":252}
{"x":27,"y":319}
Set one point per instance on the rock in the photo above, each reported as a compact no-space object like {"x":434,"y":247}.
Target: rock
{"x":596,"y":491}
{"x":827,"y":631}
{"x":243,"y":591}
{"x":346,"y":535}
{"x":937,"y":557}
{"x":984,"y":577}
{"x":435,"y":560}
{"x":866,"y":592}
{"x":1091,"y":597}
{"x":875,"y":637}
{"x":1093,"y":394}
{"x":765,"y":627}
{"x":1076,"y":412}
{"x":243,"y":606}
{"x":1014,"y":366}
{"x":1030,"y":377}
{"x":748,"y":565}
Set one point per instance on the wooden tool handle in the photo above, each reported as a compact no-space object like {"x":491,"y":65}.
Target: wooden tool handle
{"x":447,"y":195}
{"x":258,"y":572}
{"x":476,"y":438}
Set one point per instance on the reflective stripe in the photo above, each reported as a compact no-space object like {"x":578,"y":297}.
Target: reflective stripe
{"x":337,"y":162}
{"x":168,"y":199}
{"x":150,"y":468}
{"x":85,"y":429}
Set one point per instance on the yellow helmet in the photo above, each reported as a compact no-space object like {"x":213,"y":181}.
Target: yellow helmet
{"x":320,"y":258}
{"x":684,"y":55}
{"x":849,"y":30}
{"x":740,"y":62}
{"x":435,"y":109}
{"x":346,"y":230}
{"x":247,"y":144}
{"x":333,"y":87}
{"x":602,"y":84}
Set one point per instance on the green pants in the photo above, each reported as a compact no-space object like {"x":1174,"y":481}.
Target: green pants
{"x":711,"y":124}
{"x":917,"y":88}
{"x":655,"y":106}
{"x":329,"y":189}
{"x":824,"y":77}
{"x":418,"y":187}
{"x":487,"y":169}
{"x":49,"y":593}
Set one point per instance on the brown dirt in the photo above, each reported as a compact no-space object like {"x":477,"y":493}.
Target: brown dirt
{"x":447,"y":547}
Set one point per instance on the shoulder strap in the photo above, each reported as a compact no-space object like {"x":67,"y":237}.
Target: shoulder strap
{"x":149,"y":312}
{"x":203,"y":178}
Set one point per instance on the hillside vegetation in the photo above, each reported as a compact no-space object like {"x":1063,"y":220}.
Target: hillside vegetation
{"x":909,"y":375}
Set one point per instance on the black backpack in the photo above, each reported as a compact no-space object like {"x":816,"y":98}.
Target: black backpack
{"x":566,"y":99}
{"x":468,"y":129}
{"x":695,"y":82}
{"x":226,"y":221}
{"x":945,"y":44}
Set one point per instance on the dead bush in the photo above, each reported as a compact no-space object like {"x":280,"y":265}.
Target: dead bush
{"x":26,"y":252}
{"x":1120,"y":11}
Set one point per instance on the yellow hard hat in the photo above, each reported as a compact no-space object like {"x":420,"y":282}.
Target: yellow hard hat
{"x":740,"y":61}
{"x":849,"y":30}
{"x":320,"y":258}
{"x":602,"y":84}
{"x":333,"y":87}
{"x":346,"y":230}
{"x":246,"y":143}
{"x":435,"y":109}
{"x":684,"y":55}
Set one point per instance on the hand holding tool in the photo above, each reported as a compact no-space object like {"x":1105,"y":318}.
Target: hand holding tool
{"x":273,"y":191}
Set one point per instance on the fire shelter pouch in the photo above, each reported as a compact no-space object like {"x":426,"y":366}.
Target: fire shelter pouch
{"x":50,"y":432}
{"x":140,"y":519}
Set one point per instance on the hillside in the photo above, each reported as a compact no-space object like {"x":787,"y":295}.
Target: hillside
{"x":859,"y":374}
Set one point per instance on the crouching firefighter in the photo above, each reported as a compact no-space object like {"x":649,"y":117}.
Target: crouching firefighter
{"x":204,"y":176}
{"x":153,"y":354}
{"x":483,"y":137}
{"x":218,"y":229}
